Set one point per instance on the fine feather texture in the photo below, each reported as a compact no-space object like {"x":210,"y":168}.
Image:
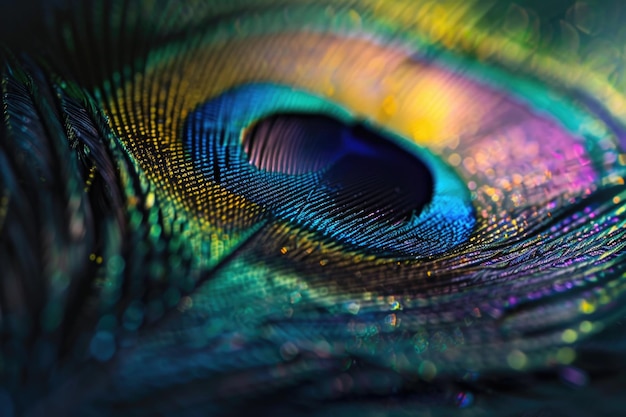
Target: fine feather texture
{"x":311,"y":207}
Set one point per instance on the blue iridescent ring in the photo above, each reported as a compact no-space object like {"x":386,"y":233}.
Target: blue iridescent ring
{"x":309,"y":162}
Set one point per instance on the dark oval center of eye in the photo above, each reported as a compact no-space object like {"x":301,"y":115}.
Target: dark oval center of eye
{"x":360,"y":173}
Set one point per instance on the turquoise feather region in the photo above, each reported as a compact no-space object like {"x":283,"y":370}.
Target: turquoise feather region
{"x":362,"y":188}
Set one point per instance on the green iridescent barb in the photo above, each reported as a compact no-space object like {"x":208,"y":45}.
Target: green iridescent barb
{"x":312,"y":207}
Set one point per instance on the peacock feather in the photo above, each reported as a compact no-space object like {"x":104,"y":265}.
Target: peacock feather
{"x":312,"y":207}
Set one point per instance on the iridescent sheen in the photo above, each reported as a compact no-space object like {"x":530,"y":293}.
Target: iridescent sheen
{"x":206,"y":208}
{"x":338,"y":200}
